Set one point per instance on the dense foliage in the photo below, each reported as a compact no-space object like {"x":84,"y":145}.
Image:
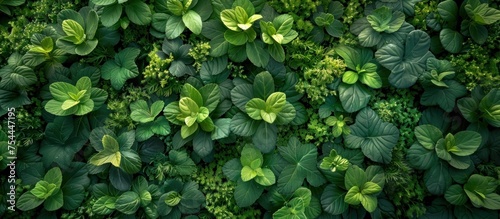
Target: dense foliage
{"x":250,"y":109}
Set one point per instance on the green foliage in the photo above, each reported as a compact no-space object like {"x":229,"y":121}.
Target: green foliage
{"x":77,"y":31}
{"x":173,"y":16}
{"x":78,"y":99}
{"x":334,"y":162}
{"x":121,"y":68}
{"x":481,"y":108}
{"x":137,"y":11}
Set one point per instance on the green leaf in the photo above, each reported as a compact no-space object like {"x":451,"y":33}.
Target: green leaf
{"x":128,"y":202}
{"x":448,"y":11}
{"x":247,"y":173}
{"x":110,"y":153}
{"x":478,"y":33}
{"x":277,"y":52}
{"x":187,"y":131}
{"x":232,"y":169}
{"x":267,"y":179}
{"x":355,"y":177}
{"x":275,"y":102}
{"x":222,"y":129}
{"x":243,"y":125}
{"x":228,"y":17}
{"x":375,"y":137}
{"x":111,"y":14}
{"x":350,"y":77}
{"x":489,"y":107}
{"x":120,"y":69}
{"x":174,"y":27}
{"x":138,"y":12}
{"x":480,"y":190}
{"x":254,"y":108}
{"x":482,"y":14}
{"x":265,"y":137}
{"x":141,"y":112}
{"x":192,"y":21}
{"x":250,"y":154}
{"x":73,"y":29}
{"x":455,"y":195}
{"x":451,"y":40}
{"x":354,"y":97}
{"x":445,"y":97}
{"x":246,"y":193}
{"x":332,"y":200}
{"x":428,"y":136}
{"x":236,"y":38}
{"x":257,"y":54}
{"x":54,"y":202}
{"x":43,"y":189}
{"x":28,"y":201}
{"x":353,"y":196}
{"x":408,"y":62}
{"x":421,"y":158}
{"x":263,"y":85}
{"x":211,"y":96}
{"x":189,"y":91}
{"x":287,"y":114}
{"x":384,"y":20}
{"x":437,"y":179}
{"x":54,"y":176}
{"x":372,"y":79}
{"x":188,"y":107}
{"x":467,"y":142}
{"x":175,"y":6}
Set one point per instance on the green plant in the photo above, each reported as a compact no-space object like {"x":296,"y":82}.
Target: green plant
{"x":42,"y":49}
{"x":480,"y":190}
{"x":250,"y":174}
{"x":79,"y":99}
{"x":180,"y":64}
{"x":277,"y":33}
{"x":173,"y":16}
{"x":481,"y":108}
{"x":440,"y":88}
{"x":383,"y":26}
{"x":334,"y":162}
{"x":77,"y":31}
{"x":14,"y":3}
{"x":301,"y":204}
{"x":120,"y":69}
{"x":194,"y":112}
{"x":356,"y":187}
{"x":375,"y":137}
{"x":353,"y":95}
{"x":408,"y":62}
{"x":137,"y":11}
{"x":262,"y":113}
{"x":115,"y":156}
{"x":148,"y":125}
{"x":453,"y":148}
{"x":179,"y":198}
{"x":56,"y":189}
{"x":328,"y":20}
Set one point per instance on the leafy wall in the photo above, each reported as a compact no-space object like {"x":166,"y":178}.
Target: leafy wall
{"x":250,"y":109}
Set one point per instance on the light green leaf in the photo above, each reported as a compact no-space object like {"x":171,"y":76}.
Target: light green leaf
{"x":267,"y":179}
{"x":254,"y":108}
{"x":467,"y":142}
{"x":275,"y":102}
{"x":372,"y":79}
{"x":187,"y":131}
{"x":228,"y":17}
{"x":110,"y":153}
{"x":384,"y":20}
{"x":128,"y":202}
{"x":192,"y":21}
{"x":350,"y":77}
{"x":189,"y":91}
{"x":43,"y":189}
{"x":247,"y":173}
{"x":370,"y":188}
{"x":188,"y":106}
{"x":74,"y":29}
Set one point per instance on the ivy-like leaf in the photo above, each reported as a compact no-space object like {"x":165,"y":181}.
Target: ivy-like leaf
{"x":120,"y":69}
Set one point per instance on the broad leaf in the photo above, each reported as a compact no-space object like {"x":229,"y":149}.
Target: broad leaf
{"x":375,"y":137}
{"x":121,"y":68}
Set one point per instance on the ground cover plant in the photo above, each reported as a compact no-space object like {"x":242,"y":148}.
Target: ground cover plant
{"x":250,"y":109}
